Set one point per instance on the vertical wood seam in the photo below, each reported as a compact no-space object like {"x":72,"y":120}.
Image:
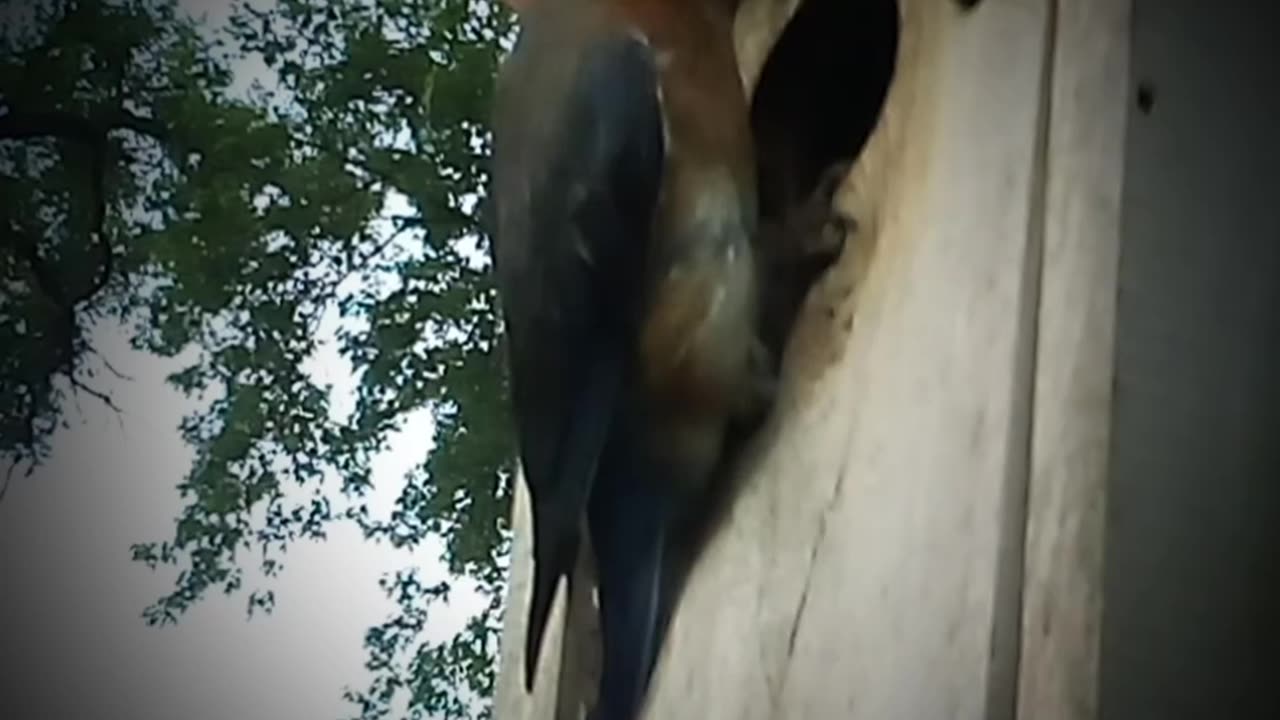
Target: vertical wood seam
{"x":1006,"y":625}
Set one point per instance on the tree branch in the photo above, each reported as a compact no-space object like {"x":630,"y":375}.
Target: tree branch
{"x":105,"y":399}
{"x":8,"y":479}
{"x":8,"y":474}
{"x":361,"y":264}
{"x":18,"y":125}
{"x":93,"y":135}
{"x":107,"y":364}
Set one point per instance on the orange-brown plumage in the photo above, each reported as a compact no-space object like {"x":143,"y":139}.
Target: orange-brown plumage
{"x":701,"y":306}
{"x":626,"y":213}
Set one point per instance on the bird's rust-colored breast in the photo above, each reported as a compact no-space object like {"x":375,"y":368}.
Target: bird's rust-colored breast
{"x":701,"y":302}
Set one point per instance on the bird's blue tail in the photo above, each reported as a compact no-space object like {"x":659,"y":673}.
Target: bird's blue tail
{"x":558,"y":509}
{"x":630,"y":518}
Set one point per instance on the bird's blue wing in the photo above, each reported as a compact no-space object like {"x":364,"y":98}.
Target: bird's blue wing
{"x":578,"y":158}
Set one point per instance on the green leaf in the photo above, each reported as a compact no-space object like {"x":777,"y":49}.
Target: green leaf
{"x":239,"y":224}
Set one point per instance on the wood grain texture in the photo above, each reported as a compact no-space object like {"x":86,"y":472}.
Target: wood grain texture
{"x":870,"y":565}
{"x":1062,"y":604}
{"x":856,"y":573}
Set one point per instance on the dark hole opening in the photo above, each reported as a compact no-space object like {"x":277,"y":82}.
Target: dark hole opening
{"x":820,"y":93}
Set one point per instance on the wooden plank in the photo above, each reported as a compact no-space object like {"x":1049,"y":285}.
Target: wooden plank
{"x":1062,"y":602}
{"x":856,"y":573}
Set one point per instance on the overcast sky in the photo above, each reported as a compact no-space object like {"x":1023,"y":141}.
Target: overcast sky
{"x":72,"y":640}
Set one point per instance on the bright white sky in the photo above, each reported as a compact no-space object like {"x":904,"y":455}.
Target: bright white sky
{"x":72,"y":641}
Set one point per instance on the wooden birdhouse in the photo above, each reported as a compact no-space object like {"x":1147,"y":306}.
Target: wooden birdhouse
{"x":1025,"y":463}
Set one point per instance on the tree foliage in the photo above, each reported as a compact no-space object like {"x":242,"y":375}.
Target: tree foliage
{"x":141,"y":185}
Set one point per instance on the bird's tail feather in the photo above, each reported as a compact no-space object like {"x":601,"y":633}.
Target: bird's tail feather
{"x":558,"y":522}
{"x":548,"y":568}
{"x":630,"y":530}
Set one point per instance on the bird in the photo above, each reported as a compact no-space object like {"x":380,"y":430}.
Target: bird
{"x":624,"y":247}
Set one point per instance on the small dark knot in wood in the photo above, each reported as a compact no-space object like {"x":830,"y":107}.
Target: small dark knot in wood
{"x":1146,"y":97}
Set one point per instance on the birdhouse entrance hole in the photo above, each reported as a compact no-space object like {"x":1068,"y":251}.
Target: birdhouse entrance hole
{"x":820,"y":93}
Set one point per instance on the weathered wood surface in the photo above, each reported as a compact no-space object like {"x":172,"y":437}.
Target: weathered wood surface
{"x":1075,"y":362}
{"x":871,"y":565}
{"x":856,"y":575}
